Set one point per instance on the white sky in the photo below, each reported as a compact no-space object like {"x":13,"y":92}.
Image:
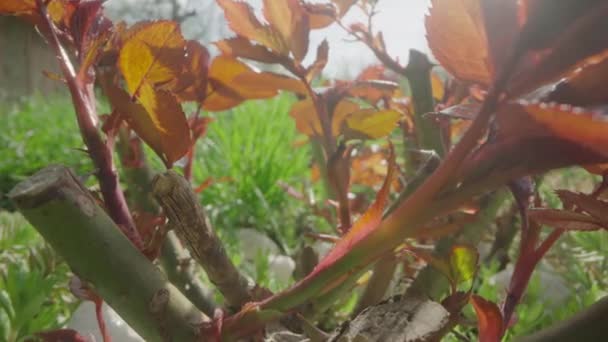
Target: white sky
{"x":401,"y":21}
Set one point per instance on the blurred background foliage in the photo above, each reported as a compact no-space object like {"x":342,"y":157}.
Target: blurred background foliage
{"x":247,"y":151}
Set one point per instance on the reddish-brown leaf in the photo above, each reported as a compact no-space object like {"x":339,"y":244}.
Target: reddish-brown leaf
{"x":242,"y":47}
{"x":299,"y":40}
{"x":585,"y":127}
{"x":595,"y":207}
{"x":320,"y":62}
{"x":158,"y":120}
{"x":579,"y":86}
{"x":456,"y":35}
{"x":559,"y":34}
{"x":489,"y":319}
{"x":192,"y":83}
{"x":564,"y":219}
{"x":536,"y":138}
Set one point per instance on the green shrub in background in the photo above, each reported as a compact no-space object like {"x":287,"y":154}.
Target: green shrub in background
{"x":36,"y":133}
{"x":253,"y":146}
{"x":34,"y":293}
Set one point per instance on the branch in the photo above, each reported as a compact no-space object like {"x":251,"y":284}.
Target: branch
{"x":181,"y":272}
{"x":174,"y":259}
{"x":174,"y":193}
{"x":398,"y":319}
{"x":99,"y":151}
{"x":67,"y":216}
{"x":587,"y":325}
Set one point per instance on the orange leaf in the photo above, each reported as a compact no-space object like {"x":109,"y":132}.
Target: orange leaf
{"x":320,"y":15}
{"x":224,"y":92}
{"x":16,"y":7}
{"x":489,"y":319}
{"x":299,"y":40}
{"x":242,"y":21}
{"x":153,"y":53}
{"x":268,"y":81}
{"x":366,"y":224}
{"x":241,"y":47}
{"x":457,"y":38}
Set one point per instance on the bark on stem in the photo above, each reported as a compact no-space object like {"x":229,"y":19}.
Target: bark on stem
{"x":67,"y":216}
{"x":174,"y":259}
{"x":189,"y":221}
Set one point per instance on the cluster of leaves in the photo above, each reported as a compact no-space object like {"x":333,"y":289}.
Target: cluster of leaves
{"x":525,"y":98}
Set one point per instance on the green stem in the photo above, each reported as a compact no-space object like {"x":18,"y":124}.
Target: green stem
{"x":418,"y":73}
{"x":67,"y":216}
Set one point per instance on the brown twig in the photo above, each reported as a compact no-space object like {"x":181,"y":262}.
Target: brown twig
{"x":191,"y":224}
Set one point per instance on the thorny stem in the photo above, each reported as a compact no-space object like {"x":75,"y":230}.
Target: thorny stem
{"x":329,"y":146}
{"x":101,"y":321}
{"x":99,"y":151}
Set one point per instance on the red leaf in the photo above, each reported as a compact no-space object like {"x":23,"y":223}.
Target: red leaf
{"x":489,"y":319}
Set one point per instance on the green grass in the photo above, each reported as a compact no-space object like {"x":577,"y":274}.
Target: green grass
{"x":37,"y":133}
{"x":252,"y":145}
